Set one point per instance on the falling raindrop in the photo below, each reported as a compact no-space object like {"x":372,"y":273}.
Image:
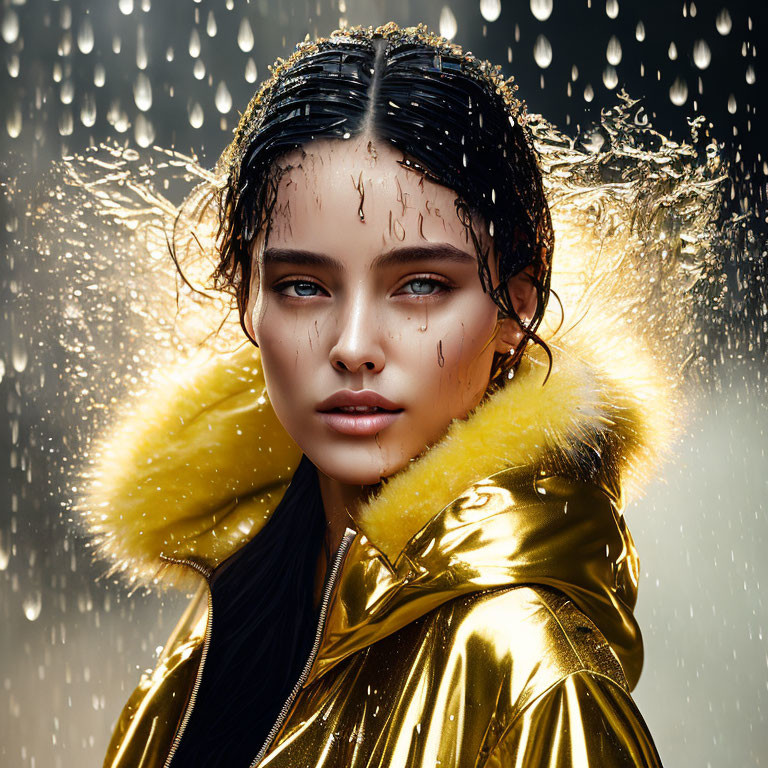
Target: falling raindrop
{"x":610,"y":77}
{"x":702,"y":56}
{"x":85,"y":36}
{"x":194,"y":44}
{"x":66,"y":123}
{"x":142,"y":59}
{"x":589,"y":93}
{"x":251,"y":73}
{"x":490,"y":10}
{"x":198,"y":70}
{"x":640,"y":32}
{"x":169,"y":54}
{"x":13,"y":65}
{"x":117,"y":118}
{"x":67,"y":92}
{"x":88,"y":110}
{"x":19,"y":355}
{"x":223,"y":98}
{"x":144,"y":131}
{"x":5,"y":554}
{"x":117,"y":44}
{"x":10,"y":28}
{"x":750,"y":75}
{"x":723,"y":22}
{"x":613,"y":52}
{"x":672,"y":51}
{"x":541,"y":9}
{"x":210,"y":27}
{"x":196,"y":116}
{"x":32,"y":605}
{"x":542,"y":52}
{"x":13,"y":123}
{"x":732,"y":104}
{"x":245,"y":36}
{"x":574,"y":73}
{"x":99,"y":75}
{"x":678,"y":92}
{"x":448,"y":25}
{"x":611,"y":8}
{"x":142,"y":92}
{"x":126,"y":7}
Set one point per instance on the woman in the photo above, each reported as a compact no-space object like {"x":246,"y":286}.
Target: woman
{"x":406,"y":517}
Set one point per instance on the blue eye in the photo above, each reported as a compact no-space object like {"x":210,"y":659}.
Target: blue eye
{"x":301,"y":288}
{"x":420,"y":286}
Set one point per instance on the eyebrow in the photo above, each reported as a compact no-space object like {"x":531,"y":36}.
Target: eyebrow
{"x":396,"y":256}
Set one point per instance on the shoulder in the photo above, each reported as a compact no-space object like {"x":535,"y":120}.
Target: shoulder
{"x":534,"y":637}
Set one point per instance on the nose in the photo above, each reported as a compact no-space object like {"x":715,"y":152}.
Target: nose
{"x":358,"y":346}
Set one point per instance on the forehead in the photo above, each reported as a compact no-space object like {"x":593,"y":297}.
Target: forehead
{"x":355,"y":195}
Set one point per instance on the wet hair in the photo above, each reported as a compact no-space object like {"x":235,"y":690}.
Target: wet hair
{"x":453,"y":118}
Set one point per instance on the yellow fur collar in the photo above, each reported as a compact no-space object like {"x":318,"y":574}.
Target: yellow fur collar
{"x":194,"y":468}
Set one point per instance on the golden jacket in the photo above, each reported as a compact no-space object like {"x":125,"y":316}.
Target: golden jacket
{"x":477,"y":614}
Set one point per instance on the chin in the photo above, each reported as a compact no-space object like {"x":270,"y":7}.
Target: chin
{"x":357,"y":465}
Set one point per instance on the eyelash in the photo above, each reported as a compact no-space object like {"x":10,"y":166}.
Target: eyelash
{"x":446,"y":287}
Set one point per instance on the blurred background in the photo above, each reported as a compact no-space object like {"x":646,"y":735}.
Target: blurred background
{"x":176,"y":74}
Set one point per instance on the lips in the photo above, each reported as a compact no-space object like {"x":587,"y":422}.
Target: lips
{"x":362,"y":412}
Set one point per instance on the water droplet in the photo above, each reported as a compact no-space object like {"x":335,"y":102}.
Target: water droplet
{"x":210,"y":27}
{"x":702,"y":56}
{"x":66,"y":124}
{"x":723,"y":22}
{"x":10,"y":28}
{"x":750,"y":75}
{"x":245,"y":36}
{"x":125,"y":6}
{"x":117,"y":118}
{"x":196,"y":116}
{"x":198,"y":70}
{"x":32,"y":605}
{"x":490,"y":10}
{"x":672,"y":51}
{"x":223,"y":98}
{"x":194,"y":44}
{"x":13,"y":65}
{"x":67,"y":92}
{"x":142,"y":59}
{"x":144,"y":131}
{"x":13,"y":125}
{"x":99,"y":75}
{"x":541,"y":9}
{"x":448,"y":25}
{"x":85,"y":36}
{"x":678,"y":93}
{"x":732,"y":106}
{"x":542,"y":52}
{"x":88,"y":110}
{"x":589,"y":93}
{"x":640,"y":32}
{"x":251,"y":73}
{"x":5,"y":550}
{"x":613,"y":52}
{"x":611,"y":8}
{"x":117,"y":44}
{"x":610,"y":77}
{"x":142,"y":92}
{"x":169,"y":54}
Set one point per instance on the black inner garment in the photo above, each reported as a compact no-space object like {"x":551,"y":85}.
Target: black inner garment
{"x":263,"y":626}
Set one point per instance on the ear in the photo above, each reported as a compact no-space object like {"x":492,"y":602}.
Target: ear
{"x":522,"y":291}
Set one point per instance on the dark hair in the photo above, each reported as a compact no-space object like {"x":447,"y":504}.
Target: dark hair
{"x":453,"y":117}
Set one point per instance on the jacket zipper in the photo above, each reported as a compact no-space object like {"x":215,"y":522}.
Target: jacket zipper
{"x":206,"y":573}
{"x":349,"y":535}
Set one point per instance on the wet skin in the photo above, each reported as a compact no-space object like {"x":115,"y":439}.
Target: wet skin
{"x":369,"y":281}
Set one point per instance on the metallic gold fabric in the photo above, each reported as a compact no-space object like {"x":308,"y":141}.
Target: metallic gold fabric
{"x":502,"y":635}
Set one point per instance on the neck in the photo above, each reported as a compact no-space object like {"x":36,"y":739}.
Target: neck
{"x":339,"y":499}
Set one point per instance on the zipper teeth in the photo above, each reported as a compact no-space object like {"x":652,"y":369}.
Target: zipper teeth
{"x":346,"y":541}
{"x":206,"y":643}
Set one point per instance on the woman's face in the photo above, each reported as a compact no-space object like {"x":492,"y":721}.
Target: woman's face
{"x":374,"y":330}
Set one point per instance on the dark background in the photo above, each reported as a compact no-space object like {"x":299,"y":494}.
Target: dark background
{"x":71,"y":648}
